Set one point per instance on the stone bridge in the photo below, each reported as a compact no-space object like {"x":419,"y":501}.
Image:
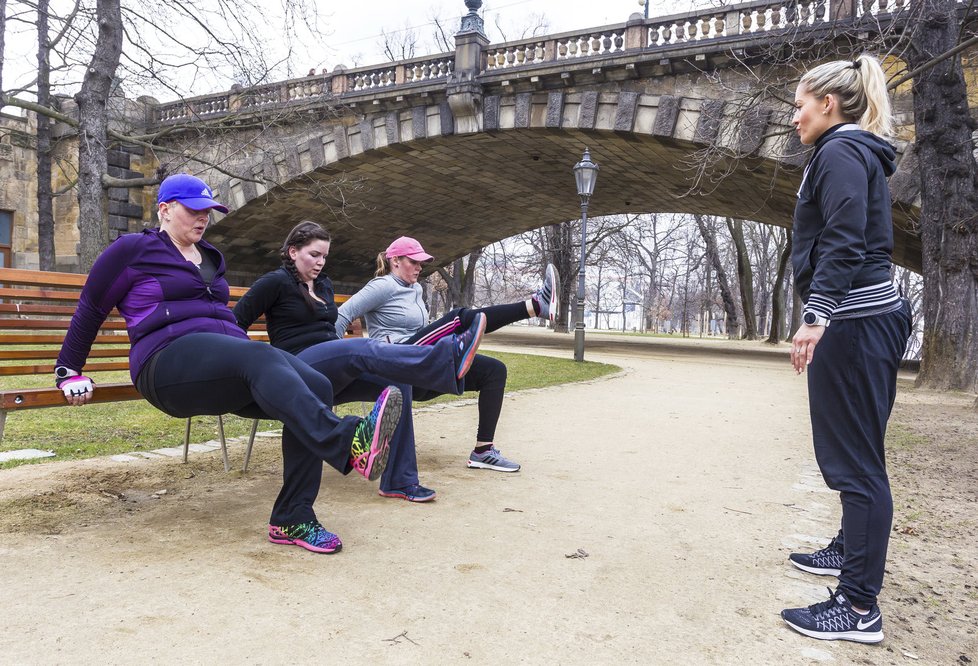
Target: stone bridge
{"x":465,"y":148}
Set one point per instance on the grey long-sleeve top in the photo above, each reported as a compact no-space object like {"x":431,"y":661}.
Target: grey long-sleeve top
{"x":393,"y":309}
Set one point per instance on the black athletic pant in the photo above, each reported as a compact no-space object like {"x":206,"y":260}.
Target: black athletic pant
{"x":487,"y":375}
{"x":459,"y":319}
{"x":210,"y":374}
{"x":851,"y":389}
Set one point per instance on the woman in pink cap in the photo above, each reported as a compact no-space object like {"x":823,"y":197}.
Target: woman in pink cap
{"x":393,"y":307}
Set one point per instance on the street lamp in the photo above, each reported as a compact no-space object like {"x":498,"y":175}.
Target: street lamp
{"x":645,"y":3}
{"x":586,"y":174}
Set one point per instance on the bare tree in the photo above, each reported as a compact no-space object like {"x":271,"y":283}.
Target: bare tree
{"x":746,"y":277}
{"x":708,"y":232}
{"x":460,"y":280}
{"x":45,"y":208}
{"x":778,"y":293}
{"x":93,"y":123}
{"x":949,"y":200}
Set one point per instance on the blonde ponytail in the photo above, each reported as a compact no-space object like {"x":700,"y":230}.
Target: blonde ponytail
{"x":860,"y":88}
{"x":877,"y":118}
{"x":382,"y":267}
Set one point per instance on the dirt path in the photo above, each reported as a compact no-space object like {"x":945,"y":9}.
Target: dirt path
{"x":685,"y":480}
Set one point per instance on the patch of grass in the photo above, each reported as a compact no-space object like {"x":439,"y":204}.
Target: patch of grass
{"x":525,"y":371}
{"x":899,"y":437}
{"x":125,"y":427}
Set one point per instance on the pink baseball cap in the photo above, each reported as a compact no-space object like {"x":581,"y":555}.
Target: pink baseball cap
{"x":406,"y":246}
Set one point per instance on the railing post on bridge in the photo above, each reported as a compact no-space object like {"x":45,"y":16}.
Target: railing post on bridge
{"x":732,"y":21}
{"x":338,"y":83}
{"x":464,"y":92}
{"x":842,"y":10}
{"x":636,"y":34}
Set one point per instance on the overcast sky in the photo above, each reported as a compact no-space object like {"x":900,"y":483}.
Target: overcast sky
{"x":355,"y":32}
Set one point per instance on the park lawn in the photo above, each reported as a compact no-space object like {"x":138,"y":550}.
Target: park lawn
{"x":133,"y":426}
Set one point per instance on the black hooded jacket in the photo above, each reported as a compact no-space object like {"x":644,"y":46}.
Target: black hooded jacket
{"x":843,"y":228}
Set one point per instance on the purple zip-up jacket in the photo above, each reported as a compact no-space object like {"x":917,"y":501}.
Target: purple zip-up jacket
{"x":159,"y":293}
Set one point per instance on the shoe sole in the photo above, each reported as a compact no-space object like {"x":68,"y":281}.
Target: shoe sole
{"x":855,"y":636}
{"x":820,"y":571}
{"x":552,"y":270}
{"x":305,"y":544}
{"x":466,"y":362}
{"x":496,"y":468}
{"x":404,"y":496}
{"x":390,"y":414}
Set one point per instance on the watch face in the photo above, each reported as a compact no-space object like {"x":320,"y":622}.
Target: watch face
{"x":810,"y":318}
{"x":61,"y":372}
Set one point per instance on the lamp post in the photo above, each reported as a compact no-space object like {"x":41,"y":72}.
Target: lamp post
{"x":586,"y":175}
{"x":645,"y":4}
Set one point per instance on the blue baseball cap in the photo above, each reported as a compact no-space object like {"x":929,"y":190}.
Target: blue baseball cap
{"x":189,"y":190}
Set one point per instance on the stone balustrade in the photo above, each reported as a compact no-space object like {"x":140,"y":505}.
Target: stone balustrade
{"x":633,"y":37}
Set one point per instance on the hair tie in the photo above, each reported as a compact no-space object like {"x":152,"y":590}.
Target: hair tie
{"x":856,"y":64}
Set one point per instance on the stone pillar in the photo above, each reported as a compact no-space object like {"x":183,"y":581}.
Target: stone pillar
{"x":636,"y":34}
{"x":464,"y":92}
{"x":843,"y":10}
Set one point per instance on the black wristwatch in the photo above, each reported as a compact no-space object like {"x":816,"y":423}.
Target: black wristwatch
{"x":813,"y":319}
{"x":61,"y":373}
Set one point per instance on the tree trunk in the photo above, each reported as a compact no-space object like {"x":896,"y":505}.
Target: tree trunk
{"x":468,"y":278}
{"x":746,"y":277}
{"x":778,"y":302}
{"x":949,"y":203}
{"x":729,"y":306}
{"x":93,"y":140}
{"x":461,"y":281}
{"x":45,"y":209}
{"x":561,"y":252}
{"x":3,"y":33}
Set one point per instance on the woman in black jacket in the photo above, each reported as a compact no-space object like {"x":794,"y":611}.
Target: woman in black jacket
{"x":854,"y":333}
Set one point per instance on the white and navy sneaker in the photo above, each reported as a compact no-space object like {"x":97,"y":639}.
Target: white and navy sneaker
{"x":825,"y":562}
{"x":546,"y":297}
{"x":493,"y":459}
{"x":835,"y":620}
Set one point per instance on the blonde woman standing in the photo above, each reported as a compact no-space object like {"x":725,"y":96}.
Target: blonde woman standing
{"x":855,"y":331}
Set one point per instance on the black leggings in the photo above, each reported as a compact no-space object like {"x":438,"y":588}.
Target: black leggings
{"x":487,"y":375}
{"x":209,"y":373}
{"x":460,"y":319}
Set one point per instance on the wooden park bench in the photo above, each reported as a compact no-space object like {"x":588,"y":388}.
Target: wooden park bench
{"x":35,"y":310}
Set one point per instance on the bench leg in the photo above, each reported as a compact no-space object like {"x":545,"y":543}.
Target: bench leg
{"x":186,"y":441}
{"x":224,"y":444}
{"x":3,"y":422}
{"x":251,"y":443}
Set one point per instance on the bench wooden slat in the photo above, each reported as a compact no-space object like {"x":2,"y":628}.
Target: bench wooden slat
{"x":53,"y":324}
{"x":52,"y":354}
{"x":53,"y":397}
{"x":21,"y":276}
{"x":39,"y":294}
{"x":48,"y":368}
{"x":41,"y":339}
{"x":36,"y":309}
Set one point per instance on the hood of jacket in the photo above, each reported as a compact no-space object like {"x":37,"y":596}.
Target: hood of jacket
{"x":880,"y":147}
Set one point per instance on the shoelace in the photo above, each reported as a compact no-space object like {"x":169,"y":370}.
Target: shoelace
{"x":823,"y":606}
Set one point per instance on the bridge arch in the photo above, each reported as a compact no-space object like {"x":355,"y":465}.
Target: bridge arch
{"x":411,"y":171}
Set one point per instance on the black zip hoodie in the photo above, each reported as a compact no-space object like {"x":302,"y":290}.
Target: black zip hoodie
{"x":842,"y":238}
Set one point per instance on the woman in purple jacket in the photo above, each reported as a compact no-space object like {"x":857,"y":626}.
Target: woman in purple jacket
{"x":188,"y":357}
